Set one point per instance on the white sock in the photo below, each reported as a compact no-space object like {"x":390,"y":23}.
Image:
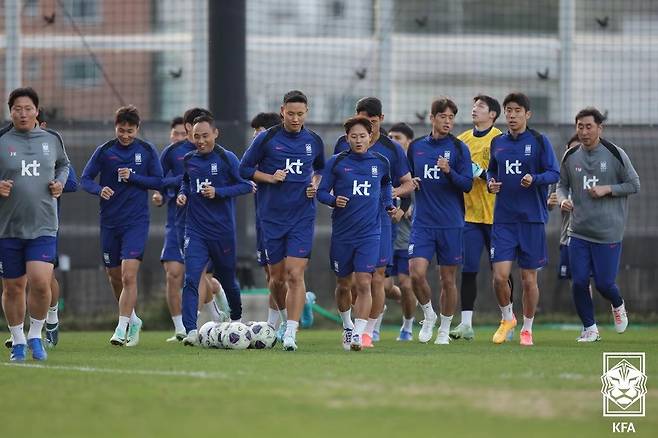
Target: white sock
{"x":507,"y":312}
{"x":17,"y":334}
{"x":123,"y":323}
{"x":370,"y":326}
{"x":346,"y":316}
{"x":213,"y":311}
{"x":291,"y":328}
{"x":272,"y":317}
{"x":36,"y":325}
{"x":592,"y":328}
{"x":133,"y":318}
{"x":360,"y":326}
{"x":428,"y":311}
{"x":51,"y":317}
{"x":378,"y":325}
{"x":283,"y":315}
{"x":445,"y":323}
{"x":222,"y":302}
{"x":178,"y":323}
{"x":467,"y":317}
{"x":527,"y":323}
{"x":407,"y":324}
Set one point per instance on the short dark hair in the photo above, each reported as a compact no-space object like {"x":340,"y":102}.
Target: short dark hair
{"x":358,"y":120}
{"x":265,"y":120}
{"x":590,"y":111}
{"x":443,"y":103}
{"x":294,"y":96}
{"x":23,"y":92}
{"x":369,"y":105}
{"x":193,"y":113}
{"x":492,"y":103}
{"x":205,"y":118}
{"x":518,"y":98}
{"x":127,"y":114}
{"x":404,"y":129}
{"x":178,"y":120}
{"x":41,"y":116}
{"x":573,"y":138}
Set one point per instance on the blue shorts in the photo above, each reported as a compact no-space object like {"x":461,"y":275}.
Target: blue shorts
{"x":287,"y":241}
{"x":400,"y":262}
{"x":15,"y":253}
{"x":201,"y":253}
{"x":385,"y":245}
{"x":476,"y":238}
{"x":348,"y":257}
{"x":126,"y":242}
{"x":446,"y":243}
{"x":171,"y":251}
{"x":563,"y":269}
{"x":524,"y":242}
{"x":598,"y":260}
{"x":260,"y":246}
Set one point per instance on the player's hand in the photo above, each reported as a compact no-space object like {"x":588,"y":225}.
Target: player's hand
{"x":106,"y":193}
{"x":181,"y":200}
{"x":444,"y":164}
{"x":566,"y":205}
{"x":56,"y":188}
{"x":124,"y":173}
{"x":157,"y":199}
{"x":416,"y":181}
{"x":552,"y":200}
{"x":341,"y":201}
{"x":208,"y":191}
{"x":399,"y":214}
{"x":5,"y":187}
{"x":279,"y":176}
{"x":392,"y":211}
{"x":494,"y":186}
{"x":254,"y":187}
{"x":599,"y":191}
{"x":526,"y":181}
{"x":311,"y":190}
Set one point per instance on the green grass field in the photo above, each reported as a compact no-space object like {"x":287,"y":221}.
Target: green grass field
{"x":88,"y":388}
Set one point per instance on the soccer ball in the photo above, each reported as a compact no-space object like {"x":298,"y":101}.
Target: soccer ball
{"x":263,"y":335}
{"x":214,"y":337}
{"x":204,"y":334}
{"x":218,"y":333}
{"x":236,"y":336}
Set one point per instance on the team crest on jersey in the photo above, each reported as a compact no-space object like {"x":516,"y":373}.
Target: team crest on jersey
{"x":45,"y":148}
{"x":411,"y":249}
{"x":375,"y":171}
{"x":336,"y":266}
{"x":309,"y":149}
{"x":213,"y":169}
{"x":106,"y":258}
{"x":2,"y":269}
{"x":604,"y":166}
{"x":138,"y":158}
{"x":528,"y":150}
{"x":446,"y":155}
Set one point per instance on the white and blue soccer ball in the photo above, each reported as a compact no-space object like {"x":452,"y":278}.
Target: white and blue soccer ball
{"x":263,"y":335}
{"x":218,"y":333}
{"x":204,"y":334}
{"x":237,"y":336}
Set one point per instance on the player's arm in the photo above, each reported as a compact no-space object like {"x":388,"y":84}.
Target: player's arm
{"x":630,"y":183}
{"x":403,"y":172}
{"x":153,"y":178}
{"x":252,"y":157}
{"x":71,"y":181}
{"x":387,"y":191}
{"x":169,"y":180}
{"x":550,"y":170}
{"x":327,"y":182}
{"x":493,"y":186}
{"x":89,"y":173}
{"x":462,"y":174}
{"x":61,"y":164}
{"x":240,"y":185}
{"x":563,"y":187}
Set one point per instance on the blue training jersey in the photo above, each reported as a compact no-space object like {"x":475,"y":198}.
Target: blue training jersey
{"x":212,"y":218}
{"x":439,"y":202}
{"x":171,"y":160}
{"x":364,"y":179}
{"x":129,"y":203}
{"x":300,"y":154}
{"x":512,"y":158}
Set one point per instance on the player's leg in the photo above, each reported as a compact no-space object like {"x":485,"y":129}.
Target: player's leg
{"x":196,"y":259}
{"x":378,"y":281}
{"x":449,"y":249}
{"x":504,"y":248}
{"x":408,"y":299}
{"x":474,"y":243}
{"x":133,"y":244}
{"x":224,"y":260}
{"x":274,"y":243}
{"x":605,"y":265}
{"x":14,"y":283}
{"x":421,"y":252}
{"x":363,"y":262}
{"x":533,"y":255}
{"x":580,"y":265}
{"x":52,"y":317}
{"x":341,"y":256}
{"x":174,"y":272}
{"x":39,"y":275}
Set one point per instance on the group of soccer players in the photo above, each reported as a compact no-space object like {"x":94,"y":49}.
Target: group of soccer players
{"x":397,"y":203}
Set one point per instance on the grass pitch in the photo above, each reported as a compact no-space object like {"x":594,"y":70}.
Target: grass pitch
{"x":88,"y":388}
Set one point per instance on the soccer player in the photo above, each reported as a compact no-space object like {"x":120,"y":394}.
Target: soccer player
{"x":403,"y":135}
{"x":356,"y":183}
{"x":521,"y":166}
{"x":178,"y":132}
{"x":210,"y":182}
{"x":33,"y":171}
{"x":285,"y":162}
{"x":443,"y":164}
{"x":478,"y":204}
{"x":599,"y":176}
{"x":371,"y":108}
{"x":128,"y":168}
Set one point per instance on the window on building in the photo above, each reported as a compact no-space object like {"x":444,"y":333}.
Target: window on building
{"x":80,"y":72}
{"x":83,"y":10}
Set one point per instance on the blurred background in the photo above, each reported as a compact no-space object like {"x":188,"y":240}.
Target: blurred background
{"x":86,"y":58}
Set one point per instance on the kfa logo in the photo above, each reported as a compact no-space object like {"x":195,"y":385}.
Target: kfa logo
{"x":492,"y":251}
{"x":374,"y":170}
{"x":186,"y":242}
{"x":309,"y":149}
{"x":200,"y":185}
{"x":2,"y":269}
{"x":46,"y":149}
{"x":138,"y":158}
{"x":604,"y":166}
{"x":294,"y":166}
{"x":431,"y":172}
{"x":588,"y":183}
{"x":106,"y":258}
{"x":446,"y":155}
{"x":513,"y":168}
{"x":213,"y":169}
{"x":623,"y":385}
{"x":336,"y":266}
{"x":31,"y":169}
{"x":361,"y":189}
{"x":528,"y":150}
{"x":411,"y":249}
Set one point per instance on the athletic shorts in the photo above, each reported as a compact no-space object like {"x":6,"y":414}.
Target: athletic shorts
{"x":126,"y":242}
{"x":260,"y":246}
{"x":348,"y":257}
{"x":294,"y":240}
{"x":477,"y":237}
{"x":524,"y":242}
{"x":385,"y":245}
{"x":446,"y":243}
{"x":400,"y":262}
{"x":15,"y":253}
{"x":171,"y":251}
